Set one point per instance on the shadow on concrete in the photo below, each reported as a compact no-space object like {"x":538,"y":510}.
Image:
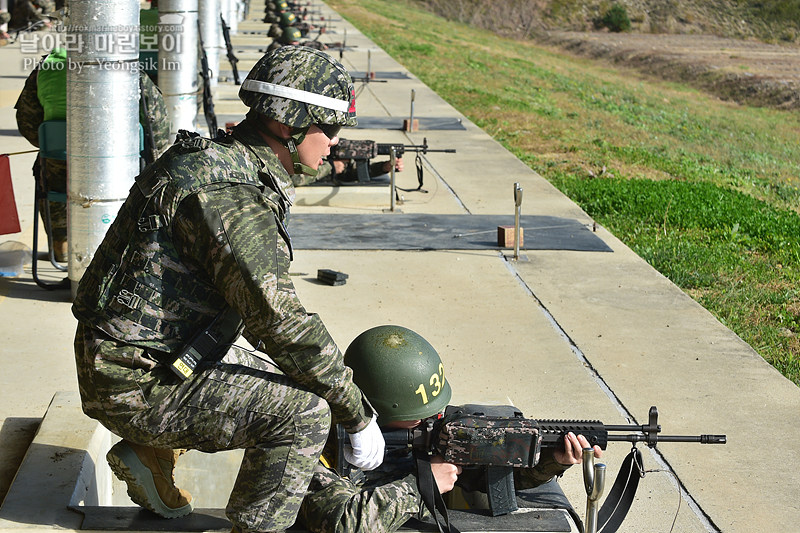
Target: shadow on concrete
{"x":138,"y":519}
{"x":16,"y":435}
{"x":24,"y":288}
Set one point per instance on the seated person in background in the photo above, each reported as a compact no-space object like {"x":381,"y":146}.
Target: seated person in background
{"x":403,"y":378}
{"x":44,"y":97}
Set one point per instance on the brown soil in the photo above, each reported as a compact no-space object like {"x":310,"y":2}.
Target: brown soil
{"x":748,"y":72}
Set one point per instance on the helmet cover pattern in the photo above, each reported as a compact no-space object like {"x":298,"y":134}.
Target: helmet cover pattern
{"x":299,"y":87}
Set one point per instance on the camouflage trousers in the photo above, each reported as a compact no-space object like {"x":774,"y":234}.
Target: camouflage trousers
{"x":222,"y":407}
{"x":56,"y":181}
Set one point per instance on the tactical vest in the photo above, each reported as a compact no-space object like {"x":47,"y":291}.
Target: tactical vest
{"x":51,"y":85}
{"x":137,"y":289}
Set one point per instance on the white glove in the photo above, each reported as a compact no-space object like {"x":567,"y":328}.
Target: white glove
{"x":365,"y":450}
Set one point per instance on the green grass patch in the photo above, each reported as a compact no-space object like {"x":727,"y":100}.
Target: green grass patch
{"x":705,"y":191}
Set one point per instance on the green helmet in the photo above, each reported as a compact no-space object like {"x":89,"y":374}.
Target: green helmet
{"x":290,"y":35}
{"x":300,"y":87}
{"x":399,"y":372}
{"x":287,"y":19}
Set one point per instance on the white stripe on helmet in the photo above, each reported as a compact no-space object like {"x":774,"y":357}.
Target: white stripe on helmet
{"x":327,"y":102}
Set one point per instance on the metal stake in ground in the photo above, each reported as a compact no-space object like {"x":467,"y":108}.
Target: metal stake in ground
{"x":392,"y":190}
{"x":517,"y":209}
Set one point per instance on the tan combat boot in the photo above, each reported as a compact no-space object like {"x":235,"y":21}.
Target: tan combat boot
{"x":149,"y":474}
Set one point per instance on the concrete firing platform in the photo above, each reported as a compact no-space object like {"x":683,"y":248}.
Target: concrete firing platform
{"x":564,"y":334}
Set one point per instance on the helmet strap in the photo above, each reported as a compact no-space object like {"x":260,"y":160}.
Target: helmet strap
{"x":297,"y":136}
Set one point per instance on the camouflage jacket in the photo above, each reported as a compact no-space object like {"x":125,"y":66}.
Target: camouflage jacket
{"x":382,"y":500}
{"x":202,"y":230}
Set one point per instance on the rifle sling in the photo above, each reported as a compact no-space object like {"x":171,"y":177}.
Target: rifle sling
{"x":431,"y":497}
{"x":620,"y":498}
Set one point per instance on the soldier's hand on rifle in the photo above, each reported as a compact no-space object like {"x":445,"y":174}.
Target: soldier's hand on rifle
{"x":445,"y":474}
{"x":572,"y":454}
{"x":398,"y":165}
{"x":339,"y":165}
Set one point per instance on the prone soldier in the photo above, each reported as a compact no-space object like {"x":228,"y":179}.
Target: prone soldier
{"x":404,"y":379}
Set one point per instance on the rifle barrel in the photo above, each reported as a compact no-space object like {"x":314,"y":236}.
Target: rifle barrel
{"x":639,"y":437}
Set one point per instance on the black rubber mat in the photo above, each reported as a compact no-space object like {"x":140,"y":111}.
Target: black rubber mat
{"x":546,"y":509}
{"x":399,"y":231}
{"x":379,"y":75}
{"x":138,"y":519}
{"x":382,"y":75}
{"x":396,"y":123}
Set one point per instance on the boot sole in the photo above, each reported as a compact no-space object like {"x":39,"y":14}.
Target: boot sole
{"x":127,"y":466}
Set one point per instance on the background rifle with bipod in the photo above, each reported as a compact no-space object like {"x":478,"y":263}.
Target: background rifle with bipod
{"x":226,"y":34}
{"x":205,"y":72}
{"x":362,"y":151}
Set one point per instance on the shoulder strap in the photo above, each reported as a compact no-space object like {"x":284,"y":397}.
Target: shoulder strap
{"x":620,"y":498}
{"x":431,"y":497}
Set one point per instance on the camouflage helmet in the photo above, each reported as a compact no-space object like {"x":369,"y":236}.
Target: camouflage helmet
{"x":300,"y":87}
{"x":399,"y":372}
{"x":287,"y":19}
{"x":290,"y":35}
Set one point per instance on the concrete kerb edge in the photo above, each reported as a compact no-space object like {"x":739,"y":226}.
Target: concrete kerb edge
{"x":59,"y":471}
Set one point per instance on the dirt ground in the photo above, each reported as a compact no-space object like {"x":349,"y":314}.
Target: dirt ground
{"x":747,"y":72}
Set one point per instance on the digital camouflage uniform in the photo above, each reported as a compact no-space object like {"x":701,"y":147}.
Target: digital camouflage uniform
{"x":31,"y":113}
{"x":382,"y":500}
{"x":203,"y":229}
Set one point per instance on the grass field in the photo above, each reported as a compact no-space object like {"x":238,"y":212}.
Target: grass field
{"x":707,"y":192}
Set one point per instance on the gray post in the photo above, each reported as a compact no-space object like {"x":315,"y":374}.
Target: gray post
{"x":177,"y":62}
{"x":211,"y":31}
{"x":102,"y":121}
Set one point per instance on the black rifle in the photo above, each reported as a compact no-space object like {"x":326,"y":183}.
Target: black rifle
{"x":226,"y":34}
{"x":498,"y":439}
{"x":362,"y":151}
{"x":208,"y":101}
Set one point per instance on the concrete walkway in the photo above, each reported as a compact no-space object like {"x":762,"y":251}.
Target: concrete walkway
{"x":564,"y":334}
